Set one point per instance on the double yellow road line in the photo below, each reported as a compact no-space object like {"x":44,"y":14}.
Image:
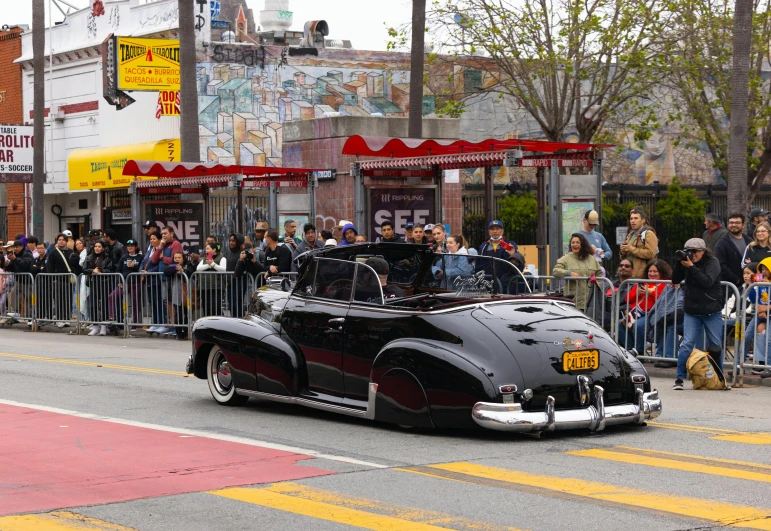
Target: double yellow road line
{"x":364,"y":513}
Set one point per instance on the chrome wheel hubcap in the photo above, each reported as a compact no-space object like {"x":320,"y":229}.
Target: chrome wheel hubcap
{"x":221,"y":374}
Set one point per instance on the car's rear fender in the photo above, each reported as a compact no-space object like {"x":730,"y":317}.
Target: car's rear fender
{"x":451,"y":384}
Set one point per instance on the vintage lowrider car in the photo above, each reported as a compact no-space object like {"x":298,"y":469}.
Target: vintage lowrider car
{"x":461,"y":343}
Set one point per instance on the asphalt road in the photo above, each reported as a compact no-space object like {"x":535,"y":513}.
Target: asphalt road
{"x":108,"y":433}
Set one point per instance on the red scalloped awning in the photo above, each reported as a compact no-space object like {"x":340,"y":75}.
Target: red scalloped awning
{"x":382,"y":146}
{"x":153,"y":168}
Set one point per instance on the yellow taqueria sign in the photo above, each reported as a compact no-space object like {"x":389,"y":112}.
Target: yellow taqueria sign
{"x":147,"y":64}
{"x":102,"y":168}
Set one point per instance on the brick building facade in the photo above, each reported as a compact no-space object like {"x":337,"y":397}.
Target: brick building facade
{"x":11,"y":112}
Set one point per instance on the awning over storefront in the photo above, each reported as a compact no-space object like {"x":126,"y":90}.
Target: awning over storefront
{"x":141,"y":168}
{"x":379,"y":146}
{"x":103,"y":168}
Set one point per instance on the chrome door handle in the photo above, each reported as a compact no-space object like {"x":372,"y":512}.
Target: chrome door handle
{"x":336,"y":322}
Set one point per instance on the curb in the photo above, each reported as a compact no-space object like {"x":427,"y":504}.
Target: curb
{"x":749,"y":379}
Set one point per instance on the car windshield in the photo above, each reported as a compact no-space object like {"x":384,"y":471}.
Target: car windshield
{"x":467,"y":275}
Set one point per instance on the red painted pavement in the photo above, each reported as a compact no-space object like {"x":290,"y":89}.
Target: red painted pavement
{"x":44,"y":466}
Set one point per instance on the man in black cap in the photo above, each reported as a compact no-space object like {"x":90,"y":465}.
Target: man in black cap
{"x":93,"y":235}
{"x":757,"y":215}
{"x":408,"y":231}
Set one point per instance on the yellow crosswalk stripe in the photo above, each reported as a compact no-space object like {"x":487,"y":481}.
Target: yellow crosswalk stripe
{"x":688,"y":463}
{"x":744,"y":437}
{"x":725,"y":514}
{"x":351,"y":510}
{"x":57,"y":521}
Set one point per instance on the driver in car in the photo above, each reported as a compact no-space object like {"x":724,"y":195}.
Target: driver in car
{"x":380,"y":266}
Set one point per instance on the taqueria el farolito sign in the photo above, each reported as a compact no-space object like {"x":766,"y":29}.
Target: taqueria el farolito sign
{"x":147,"y":64}
{"x":102,"y":168}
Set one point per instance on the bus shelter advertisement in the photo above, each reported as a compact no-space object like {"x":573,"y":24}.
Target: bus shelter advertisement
{"x":400,"y":206}
{"x":186,"y":219}
{"x":16,"y":153}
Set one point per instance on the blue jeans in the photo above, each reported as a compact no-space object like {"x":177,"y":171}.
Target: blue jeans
{"x":760,"y":353}
{"x":634,"y":337}
{"x":693,"y":328}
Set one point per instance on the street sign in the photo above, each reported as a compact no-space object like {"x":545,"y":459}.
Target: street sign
{"x":147,"y":64}
{"x":398,"y":172}
{"x":281,"y":182}
{"x":16,"y":149}
{"x":220,"y":24}
{"x":562,"y":163}
{"x":325,"y":175}
{"x":215,"y":7}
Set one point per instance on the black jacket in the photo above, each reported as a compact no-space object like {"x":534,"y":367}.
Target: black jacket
{"x":281,"y":257}
{"x":38,"y":265}
{"x":730,"y":259}
{"x":74,"y":261}
{"x":395,"y":239}
{"x":233,"y":254}
{"x":57,"y":263}
{"x":116,"y":252}
{"x":22,"y":263}
{"x":123,"y":267}
{"x":703,"y":293}
{"x":102,"y":261}
{"x":756,"y":254}
{"x":250,"y":265}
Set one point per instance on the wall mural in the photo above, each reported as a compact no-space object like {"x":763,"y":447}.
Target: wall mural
{"x":247,"y":94}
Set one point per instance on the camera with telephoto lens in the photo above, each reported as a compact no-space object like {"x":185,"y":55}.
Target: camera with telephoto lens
{"x":684,"y":254}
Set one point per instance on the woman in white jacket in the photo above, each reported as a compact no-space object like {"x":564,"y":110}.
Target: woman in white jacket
{"x":212,"y":287}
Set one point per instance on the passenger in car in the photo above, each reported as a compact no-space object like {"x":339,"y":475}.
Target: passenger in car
{"x":380,"y":266}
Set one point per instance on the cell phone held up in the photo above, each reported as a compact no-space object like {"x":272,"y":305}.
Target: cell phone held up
{"x":208,"y":255}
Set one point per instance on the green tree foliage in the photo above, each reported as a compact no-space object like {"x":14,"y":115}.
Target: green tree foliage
{"x":681,"y":205}
{"x":568,"y":63}
{"x":701,"y":75}
{"x":518,"y":210}
{"x":615,"y":214}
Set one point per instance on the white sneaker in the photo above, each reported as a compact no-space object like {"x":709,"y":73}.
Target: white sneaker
{"x":60,"y":324}
{"x":103,"y":330}
{"x":94,"y":331}
{"x":14,"y":315}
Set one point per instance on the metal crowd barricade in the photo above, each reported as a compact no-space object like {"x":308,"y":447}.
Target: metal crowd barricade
{"x":17,"y":295}
{"x":221,"y":293}
{"x":157,"y":303}
{"x":17,"y":298}
{"x":103,"y":299}
{"x":747,"y":331}
{"x":655,"y":332}
{"x":597,"y":304}
{"x":54,"y":294}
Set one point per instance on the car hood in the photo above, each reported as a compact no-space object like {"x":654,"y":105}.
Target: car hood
{"x":539,"y":333}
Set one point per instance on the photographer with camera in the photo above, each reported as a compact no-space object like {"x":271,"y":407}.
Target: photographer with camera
{"x":248,"y":262}
{"x":703,"y":301}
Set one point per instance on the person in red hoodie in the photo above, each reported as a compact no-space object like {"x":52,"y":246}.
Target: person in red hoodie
{"x":163,"y":257}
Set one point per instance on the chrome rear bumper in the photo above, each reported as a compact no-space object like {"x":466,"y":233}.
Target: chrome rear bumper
{"x":511,"y":417}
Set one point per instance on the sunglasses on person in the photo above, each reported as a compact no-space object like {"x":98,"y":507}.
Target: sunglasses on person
{"x":627,"y":266}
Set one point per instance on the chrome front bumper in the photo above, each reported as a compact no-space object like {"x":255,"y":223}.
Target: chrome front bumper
{"x":511,"y":417}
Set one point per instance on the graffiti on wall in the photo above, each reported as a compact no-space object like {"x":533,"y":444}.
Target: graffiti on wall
{"x":243,"y":106}
{"x":247,"y":95}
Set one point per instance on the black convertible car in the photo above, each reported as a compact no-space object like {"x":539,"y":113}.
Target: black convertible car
{"x":400,"y":334}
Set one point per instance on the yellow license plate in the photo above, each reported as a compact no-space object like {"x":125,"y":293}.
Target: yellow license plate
{"x":581,"y":360}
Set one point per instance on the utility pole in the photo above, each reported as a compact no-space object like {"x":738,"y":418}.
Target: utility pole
{"x":417,"y":58}
{"x":188,"y":92}
{"x":38,"y":108}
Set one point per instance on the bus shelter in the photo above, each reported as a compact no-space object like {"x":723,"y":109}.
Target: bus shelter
{"x":200,"y":200}
{"x":569,"y":176}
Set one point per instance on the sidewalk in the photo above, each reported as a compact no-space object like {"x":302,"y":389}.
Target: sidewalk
{"x":749,"y":379}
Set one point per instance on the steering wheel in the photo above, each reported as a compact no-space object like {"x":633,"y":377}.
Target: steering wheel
{"x":336,"y":285}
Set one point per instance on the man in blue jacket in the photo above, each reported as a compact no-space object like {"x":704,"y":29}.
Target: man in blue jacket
{"x":349,"y":235}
